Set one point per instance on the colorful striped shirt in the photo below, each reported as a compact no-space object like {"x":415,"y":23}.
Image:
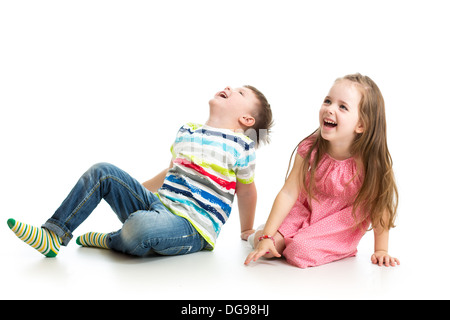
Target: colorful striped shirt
{"x":207,"y":163}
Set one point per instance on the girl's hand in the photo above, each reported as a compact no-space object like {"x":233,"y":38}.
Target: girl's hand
{"x":383,"y":258}
{"x":264,"y":247}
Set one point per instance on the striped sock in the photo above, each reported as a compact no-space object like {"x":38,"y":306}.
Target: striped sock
{"x":93,"y":239}
{"x":43,"y":240}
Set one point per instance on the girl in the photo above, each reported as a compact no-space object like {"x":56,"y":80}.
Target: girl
{"x":341,"y":182}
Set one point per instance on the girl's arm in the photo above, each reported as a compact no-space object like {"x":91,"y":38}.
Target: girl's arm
{"x":156,"y":182}
{"x":282,"y":205}
{"x":381,"y":256}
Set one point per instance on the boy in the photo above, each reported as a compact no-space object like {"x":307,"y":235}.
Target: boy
{"x":183,"y":208}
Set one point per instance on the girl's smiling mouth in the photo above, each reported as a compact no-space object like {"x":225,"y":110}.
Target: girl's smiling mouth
{"x":329,"y":123}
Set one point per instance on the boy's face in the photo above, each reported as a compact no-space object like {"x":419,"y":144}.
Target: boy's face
{"x":234,"y":104}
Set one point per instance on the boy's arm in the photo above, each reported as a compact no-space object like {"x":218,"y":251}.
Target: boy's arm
{"x":381,"y":256}
{"x":246,"y":194}
{"x":156,"y":182}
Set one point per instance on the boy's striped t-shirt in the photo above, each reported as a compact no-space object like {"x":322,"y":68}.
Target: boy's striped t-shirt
{"x":207,"y":163}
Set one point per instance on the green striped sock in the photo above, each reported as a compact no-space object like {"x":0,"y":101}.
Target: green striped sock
{"x":43,"y":240}
{"x":93,"y":239}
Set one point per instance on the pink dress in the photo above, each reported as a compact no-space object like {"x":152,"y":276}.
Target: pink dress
{"x":323,"y":230}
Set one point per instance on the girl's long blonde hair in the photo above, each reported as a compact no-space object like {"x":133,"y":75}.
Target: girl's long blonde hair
{"x":378,"y":192}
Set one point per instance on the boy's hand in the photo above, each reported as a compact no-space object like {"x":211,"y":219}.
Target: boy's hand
{"x":245,"y":234}
{"x":383,"y":258}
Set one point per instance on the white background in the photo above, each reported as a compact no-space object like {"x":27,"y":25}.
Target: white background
{"x":89,"y":81}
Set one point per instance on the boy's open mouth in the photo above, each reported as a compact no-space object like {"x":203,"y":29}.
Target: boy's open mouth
{"x":329,"y":123}
{"x":223,"y":94}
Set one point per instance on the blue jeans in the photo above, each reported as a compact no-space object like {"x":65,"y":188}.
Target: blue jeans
{"x":148,"y":226}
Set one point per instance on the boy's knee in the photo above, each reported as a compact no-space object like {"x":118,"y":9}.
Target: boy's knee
{"x":100,"y":169}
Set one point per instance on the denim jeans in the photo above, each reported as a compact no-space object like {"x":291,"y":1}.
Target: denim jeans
{"x":148,"y":226}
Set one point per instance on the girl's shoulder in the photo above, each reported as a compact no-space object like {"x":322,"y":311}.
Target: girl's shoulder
{"x":305,"y":145}
{"x":350,"y":164}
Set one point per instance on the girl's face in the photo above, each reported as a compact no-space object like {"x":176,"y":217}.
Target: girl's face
{"x":339,"y":114}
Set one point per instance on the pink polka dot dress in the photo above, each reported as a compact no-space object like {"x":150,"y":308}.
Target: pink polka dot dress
{"x":323,"y":230}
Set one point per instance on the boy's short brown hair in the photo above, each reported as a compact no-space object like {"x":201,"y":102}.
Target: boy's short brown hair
{"x":260,"y":131}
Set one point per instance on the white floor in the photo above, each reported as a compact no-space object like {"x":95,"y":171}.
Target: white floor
{"x":113,"y":81}
{"x":79,"y":273}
